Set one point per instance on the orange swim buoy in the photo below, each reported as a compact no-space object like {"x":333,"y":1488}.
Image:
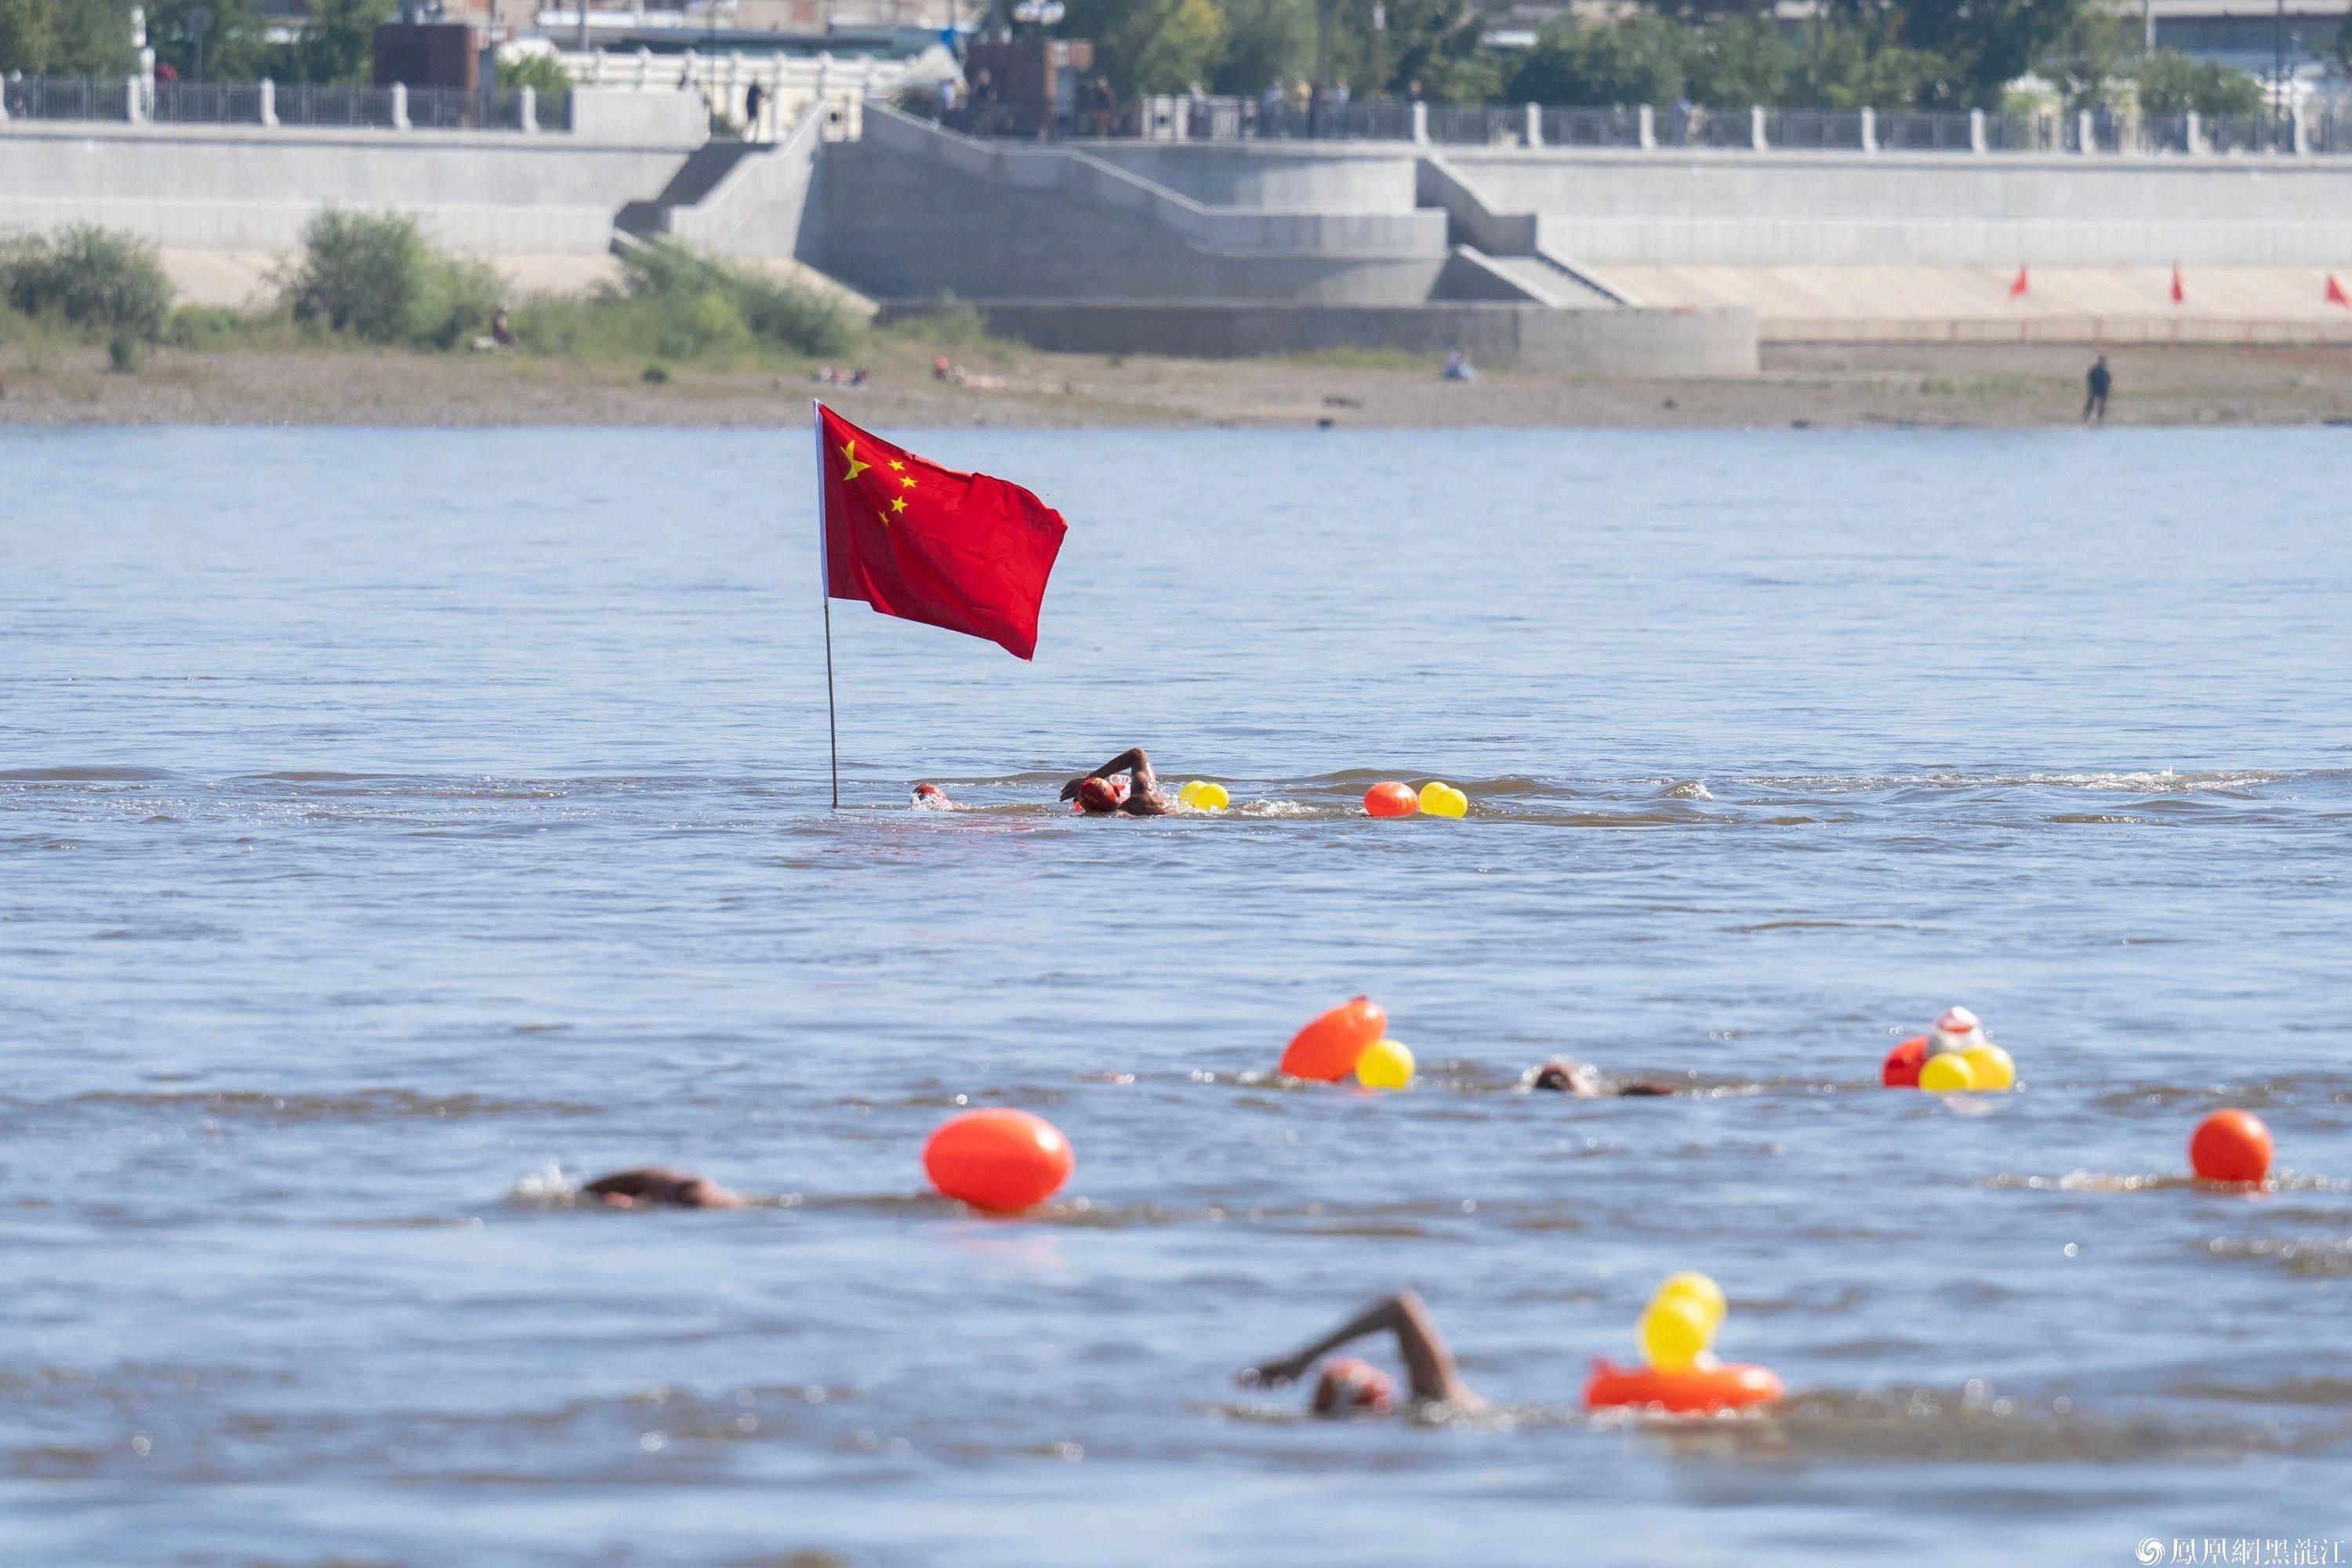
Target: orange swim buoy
{"x":1698,"y":1391}
{"x":1328,"y":1048}
{"x":1903,"y":1062}
{"x":999,"y":1159}
{"x":2230,"y":1146}
{"x":1392,"y":799}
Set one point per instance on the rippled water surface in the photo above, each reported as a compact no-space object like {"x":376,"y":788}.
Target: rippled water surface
{"x":398,"y":827}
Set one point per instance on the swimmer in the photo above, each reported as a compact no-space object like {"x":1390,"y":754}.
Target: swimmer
{"x":1349,"y":1384}
{"x":1582,"y":1080}
{"x":652,"y":1187}
{"x":1100,"y":794}
{"x":932,"y":797}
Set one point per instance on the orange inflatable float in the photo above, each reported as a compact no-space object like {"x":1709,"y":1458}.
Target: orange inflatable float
{"x":1903,"y":1062}
{"x":999,"y":1159}
{"x":1696,"y":1391}
{"x":2230,"y":1146}
{"x":1326,"y":1050}
{"x":1391,"y":800}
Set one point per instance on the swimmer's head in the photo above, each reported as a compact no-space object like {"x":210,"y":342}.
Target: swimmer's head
{"x":1350,"y":1385}
{"x":1098,"y":797}
{"x":1956,"y":1021}
{"x":1565,"y":1075}
{"x":929,"y":792}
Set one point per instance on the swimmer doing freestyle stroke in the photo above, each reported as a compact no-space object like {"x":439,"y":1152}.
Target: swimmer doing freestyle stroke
{"x":1098,"y":793}
{"x":1350,"y":1385}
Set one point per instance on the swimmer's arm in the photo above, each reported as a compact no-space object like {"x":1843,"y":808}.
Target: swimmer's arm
{"x":1428,"y":1362}
{"x":1134,"y":761}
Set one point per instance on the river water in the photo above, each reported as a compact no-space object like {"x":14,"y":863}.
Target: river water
{"x":396,"y":827}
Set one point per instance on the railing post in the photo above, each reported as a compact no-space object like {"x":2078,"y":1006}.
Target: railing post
{"x":1420,"y":123}
{"x":596,"y":67}
{"x":269,"y":102}
{"x":1756,"y":128}
{"x":400,"y":106}
{"x":1977,"y":143}
{"x":2301,"y":124}
{"x":1645,"y":128}
{"x":645,"y":67}
{"x":2086,"y":137}
{"x":133,"y":109}
{"x":526,"y":108}
{"x":1869,"y":130}
{"x":1534,"y":129}
{"x":2193,"y":133}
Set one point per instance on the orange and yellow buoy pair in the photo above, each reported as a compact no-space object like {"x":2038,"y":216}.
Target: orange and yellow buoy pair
{"x":1435,"y":798}
{"x":1351,"y":1038}
{"x":1952,"y":1058}
{"x":1681,"y":1376}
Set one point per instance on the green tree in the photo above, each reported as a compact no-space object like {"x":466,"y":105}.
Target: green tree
{"x":1985,"y":43}
{"x":1642,"y":59}
{"x":2086,"y":62}
{"x":66,"y":37}
{"x":1436,"y":43}
{"x":1744,"y":59}
{"x":210,"y":40}
{"x":2171,"y":83}
{"x":1266,"y":40}
{"x":543,"y":74}
{"x":337,"y":44}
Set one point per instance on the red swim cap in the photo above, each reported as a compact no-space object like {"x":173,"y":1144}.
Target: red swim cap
{"x":1350,"y":1384}
{"x":1100,"y":796}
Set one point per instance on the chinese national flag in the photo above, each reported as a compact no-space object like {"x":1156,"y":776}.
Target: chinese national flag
{"x":925,"y":544}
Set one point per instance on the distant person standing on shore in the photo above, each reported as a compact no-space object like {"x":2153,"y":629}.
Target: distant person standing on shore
{"x":2096,"y":384}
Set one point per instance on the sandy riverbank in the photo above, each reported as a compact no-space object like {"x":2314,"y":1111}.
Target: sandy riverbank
{"x":1959,"y":387}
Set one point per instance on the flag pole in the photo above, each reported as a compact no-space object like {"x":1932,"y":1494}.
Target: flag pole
{"x":825,"y":599}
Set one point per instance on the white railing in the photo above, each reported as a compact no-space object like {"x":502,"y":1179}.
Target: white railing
{"x":764,"y":95}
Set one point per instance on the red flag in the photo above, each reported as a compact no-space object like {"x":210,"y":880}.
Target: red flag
{"x":2335,"y":295}
{"x":926,"y":543}
{"x":2179,"y":294}
{"x":2017,"y":289}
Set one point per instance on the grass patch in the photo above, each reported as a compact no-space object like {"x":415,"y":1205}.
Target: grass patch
{"x":1366,"y":359}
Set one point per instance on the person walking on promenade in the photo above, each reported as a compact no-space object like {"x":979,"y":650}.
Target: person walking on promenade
{"x":2095,"y":385}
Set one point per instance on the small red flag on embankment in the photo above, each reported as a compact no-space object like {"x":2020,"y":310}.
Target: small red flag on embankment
{"x":966,"y":551}
{"x":2178,"y":293}
{"x":2017,"y":289}
{"x":2335,"y":295}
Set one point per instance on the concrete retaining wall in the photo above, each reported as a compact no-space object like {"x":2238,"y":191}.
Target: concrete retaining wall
{"x":907,"y":227}
{"x":1503,"y":336}
{"x":1375,"y":179}
{"x":1935,"y":210}
{"x":253,"y":188}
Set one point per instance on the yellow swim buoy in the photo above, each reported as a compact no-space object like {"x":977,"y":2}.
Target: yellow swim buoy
{"x":1439,"y":799}
{"x":1385,"y":1064}
{"x":1947,"y":1074}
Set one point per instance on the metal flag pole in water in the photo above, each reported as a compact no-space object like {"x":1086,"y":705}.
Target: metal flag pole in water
{"x":824,"y":597}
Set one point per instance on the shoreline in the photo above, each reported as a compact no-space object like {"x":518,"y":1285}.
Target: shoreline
{"x":1905,"y":386}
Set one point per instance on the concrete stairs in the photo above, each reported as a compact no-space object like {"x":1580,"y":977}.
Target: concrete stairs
{"x":1550,"y":282}
{"x":697,"y":177}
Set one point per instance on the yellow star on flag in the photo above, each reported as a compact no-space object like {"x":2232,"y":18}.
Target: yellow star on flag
{"x":906,"y":484}
{"x":849,"y":450}
{"x":898,"y":504}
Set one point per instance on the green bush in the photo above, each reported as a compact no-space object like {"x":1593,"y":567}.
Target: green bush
{"x":363,"y":273}
{"x":92,"y":277}
{"x":374,"y":276}
{"x":2171,"y":83}
{"x":775,"y":311}
{"x":543,"y":74}
{"x":127,"y":352}
{"x":950,"y":324}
